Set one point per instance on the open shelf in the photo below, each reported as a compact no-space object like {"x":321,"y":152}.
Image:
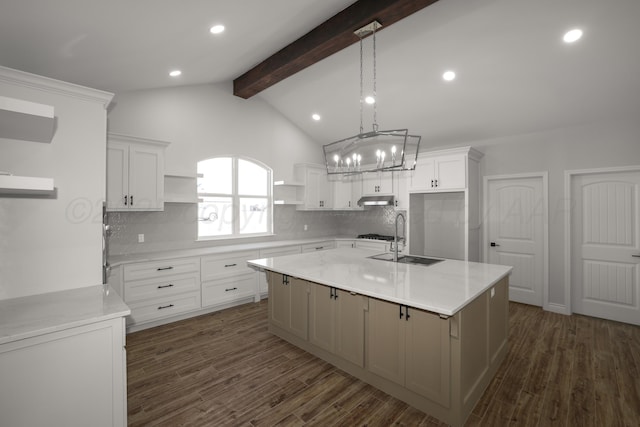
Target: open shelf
{"x":26,"y":121}
{"x":180,"y":188}
{"x":286,"y":193}
{"x":10,"y":184}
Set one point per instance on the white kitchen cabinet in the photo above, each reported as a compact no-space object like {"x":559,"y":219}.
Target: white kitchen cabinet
{"x":63,"y":359}
{"x":318,"y":246}
{"x":317,"y":192}
{"x":226,"y":278}
{"x":347,"y":190}
{"x":377,"y":183}
{"x":269,"y":253}
{"x":401,"y":183}
{"x":135,"y":173}
{"x":158,"y":290}
{"x":443,"y":170}
{"x":345,"y":243}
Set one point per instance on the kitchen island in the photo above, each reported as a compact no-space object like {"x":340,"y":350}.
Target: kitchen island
{"x":432,"y":336}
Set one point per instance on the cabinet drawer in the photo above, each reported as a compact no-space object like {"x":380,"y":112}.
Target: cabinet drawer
{"x":228,"y":289}
{"x":283,"y":250}
{"x":319,"y":246}
{"x":156,"y":269}
{"x":137,"y":290}
{"x":216,"y":266}
{"x":376,"y":246}
{"x":164,"y":307}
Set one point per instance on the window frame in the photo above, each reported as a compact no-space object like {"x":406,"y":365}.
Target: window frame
{"x":235,"y":200}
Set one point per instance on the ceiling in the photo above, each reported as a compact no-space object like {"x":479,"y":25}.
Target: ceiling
{"x":514,"y":73}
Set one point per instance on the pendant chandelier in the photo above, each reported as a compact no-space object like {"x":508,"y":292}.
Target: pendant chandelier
{"x":377,"y":150}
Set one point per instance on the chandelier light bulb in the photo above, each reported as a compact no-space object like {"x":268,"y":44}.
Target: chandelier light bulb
{"x":370,"y":100}
{"x":572,"y":35}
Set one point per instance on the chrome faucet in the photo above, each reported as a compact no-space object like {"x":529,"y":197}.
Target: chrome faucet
{"x":395,"y":236}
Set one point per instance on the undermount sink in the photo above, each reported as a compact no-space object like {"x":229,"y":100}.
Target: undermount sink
{"x":407,"y":259}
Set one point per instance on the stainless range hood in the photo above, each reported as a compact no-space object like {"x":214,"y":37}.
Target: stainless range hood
{"x":376,"y":201}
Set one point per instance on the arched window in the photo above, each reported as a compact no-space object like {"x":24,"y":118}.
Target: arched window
{"x":235,"y":198}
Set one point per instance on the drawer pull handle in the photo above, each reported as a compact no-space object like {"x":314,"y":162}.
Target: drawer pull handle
{"x":319,"y":247}
{"x":231,"y":289}
{"x":165,"y":306}
{"x":165,"y":268}
{"x":230,"y":265}
{"x":170,"y":285}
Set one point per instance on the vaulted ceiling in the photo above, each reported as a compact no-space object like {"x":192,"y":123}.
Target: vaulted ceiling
{"x":514,"y":73}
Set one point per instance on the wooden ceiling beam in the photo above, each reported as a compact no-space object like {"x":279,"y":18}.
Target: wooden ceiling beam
{"x":326,"y":39}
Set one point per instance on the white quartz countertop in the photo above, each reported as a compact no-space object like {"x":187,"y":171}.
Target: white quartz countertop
{"x":443,"y":288}
{"x":120,"y":259}
{"x":30,"y":316}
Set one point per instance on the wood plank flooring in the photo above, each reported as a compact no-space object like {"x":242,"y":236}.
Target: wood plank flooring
{"x":225,"y":369}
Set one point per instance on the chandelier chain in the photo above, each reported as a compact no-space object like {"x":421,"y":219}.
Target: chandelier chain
{"x":361,"y":88}
{"x":375,"y":95}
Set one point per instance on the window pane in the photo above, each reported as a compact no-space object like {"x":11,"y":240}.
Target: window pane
{"x":215,"y":217}
{"x":252,"y":179}
{"x":254,"y":215}
{"x":217,"y":175}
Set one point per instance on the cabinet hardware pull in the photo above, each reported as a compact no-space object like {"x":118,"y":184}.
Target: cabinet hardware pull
{"x":637,"y":256}
{"x":165,"y":268}
{"x":400,"y":312}
{"x":319,"y":247}
{"x":436,"y":182}
{"x":131,"y":199}
{"x":231,"y":289}
{"x":285,"y":279}
{"x":330,"y":293}
{"x":165,"y":306}
{"x":170,"y":285}
{"x":407,"y":313}
{"x":494,"y":244}
{"x":432,"y":183}
{"x":230,"y":265}
{"x":125,"y":200}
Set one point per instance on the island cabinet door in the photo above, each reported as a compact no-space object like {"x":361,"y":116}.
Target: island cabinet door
{"x":349,"y":324}
{"x":386,"y":340}
{"x":322,"y":317}
{"x":428,"y":356}
{"x":288,"y":304}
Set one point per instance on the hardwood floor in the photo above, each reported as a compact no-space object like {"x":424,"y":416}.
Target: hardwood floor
{"x":226,"y":369}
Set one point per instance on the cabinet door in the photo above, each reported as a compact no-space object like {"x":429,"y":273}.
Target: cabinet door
{"x":386,"y":340}
{"x":299,"y":307}
{"x":401,"y":182}
{"x":146,"y":180}
{"x":377,"y":183}
{"x":423,"y":176}
{"x":428,"y":356}
{"x":342,"y":194}
{"x":450,"y":172}
{"x":279,"y":301}
{"x":117,"y":175}
{"x":349,"y":323}
{"x":322,"y":321}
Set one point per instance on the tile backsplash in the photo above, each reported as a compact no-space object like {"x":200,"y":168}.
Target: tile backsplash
{"x":176,"y":228}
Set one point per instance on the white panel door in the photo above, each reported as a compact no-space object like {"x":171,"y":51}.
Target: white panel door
{"x":605,"y":247}
{"x":516,"y":216}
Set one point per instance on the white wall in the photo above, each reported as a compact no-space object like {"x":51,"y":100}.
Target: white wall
{"x":595,"y":145}
{"x":203,"y":121}
{"x":51,"y":244}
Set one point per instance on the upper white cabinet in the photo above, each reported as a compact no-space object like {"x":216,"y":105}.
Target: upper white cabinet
{"x":25,"y":120}
{"x":135,"y":173}
{"x":347,"y":190}
{"x":377,"y":183}
{"x":317,"y":191}
{"x":443,"y":170}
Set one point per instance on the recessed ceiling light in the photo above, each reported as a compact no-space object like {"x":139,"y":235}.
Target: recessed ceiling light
{"x":370,"y":100}
{"x":175,"y":73}
{"x":449,"y":75}
{"x":216,"y":29}
{"x":315,"y":117}
{"x":572,"y":35}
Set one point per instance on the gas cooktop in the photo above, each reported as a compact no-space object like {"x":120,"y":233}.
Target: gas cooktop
{"x":375,"y":237}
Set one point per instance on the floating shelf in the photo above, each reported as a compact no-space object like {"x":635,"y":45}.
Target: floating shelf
{"x":26,"y":121}
{"x":287,"y":184}
{"x":287,"y":202}
{"x":180,"y":189}
{"x":286,"y":193}
{"x":10,"y":184}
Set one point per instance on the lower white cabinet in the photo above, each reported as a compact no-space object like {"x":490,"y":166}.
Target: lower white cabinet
{"x":319,"y":246}
{"x":157,"y":290}
{"x":373,"y":245}
{"x":226,"y":278}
